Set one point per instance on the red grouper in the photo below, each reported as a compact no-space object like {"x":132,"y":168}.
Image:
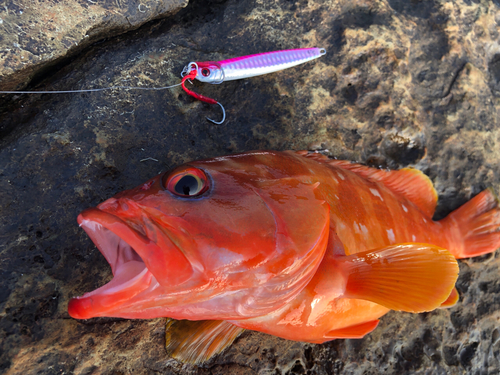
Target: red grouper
{"x":293,"y":244}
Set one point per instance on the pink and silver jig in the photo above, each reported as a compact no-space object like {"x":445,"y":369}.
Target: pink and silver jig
{"x":216,"y":72}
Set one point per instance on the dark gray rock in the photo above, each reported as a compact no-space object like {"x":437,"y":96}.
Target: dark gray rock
{"x":403,"y":83}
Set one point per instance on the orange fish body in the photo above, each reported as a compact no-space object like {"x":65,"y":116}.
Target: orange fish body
{"x":370,"y":209}
{"x":289,"y":243}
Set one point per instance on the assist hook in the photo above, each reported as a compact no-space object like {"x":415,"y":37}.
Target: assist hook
{"x":192,"y":75}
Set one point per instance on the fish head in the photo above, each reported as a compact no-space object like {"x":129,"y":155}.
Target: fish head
{"x":215,"y":239}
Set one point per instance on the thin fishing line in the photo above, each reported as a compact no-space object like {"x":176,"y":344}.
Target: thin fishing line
{"x":91,"y":90}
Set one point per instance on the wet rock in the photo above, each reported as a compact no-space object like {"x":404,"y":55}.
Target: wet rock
{"x":403,"y":83}
{"x":36,"y":36}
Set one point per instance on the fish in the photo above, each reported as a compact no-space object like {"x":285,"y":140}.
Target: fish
{"x":292,"y":244}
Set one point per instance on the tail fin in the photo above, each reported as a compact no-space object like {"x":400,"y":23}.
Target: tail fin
{"x":474,"y":228}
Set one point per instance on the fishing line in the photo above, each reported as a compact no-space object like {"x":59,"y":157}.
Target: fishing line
{"x":91,"y":90}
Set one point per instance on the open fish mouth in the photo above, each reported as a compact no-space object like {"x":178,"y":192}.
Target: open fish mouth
{"x":118,"y":242}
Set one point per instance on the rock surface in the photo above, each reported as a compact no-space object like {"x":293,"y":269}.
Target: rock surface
{"x":35,"y":36}
{"x":403,"y":83}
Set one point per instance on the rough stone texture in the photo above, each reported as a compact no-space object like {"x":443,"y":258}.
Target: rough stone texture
{"x":403,"y":83}
{"x":36,"y":35}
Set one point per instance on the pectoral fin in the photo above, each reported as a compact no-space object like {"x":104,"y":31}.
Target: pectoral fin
{"x":195,"y":342}
{"x":353,"y":332}
{"x":407,"y":277}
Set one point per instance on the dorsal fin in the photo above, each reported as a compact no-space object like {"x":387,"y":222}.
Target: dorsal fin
{"x":195,"y":342}
{"x":407,"y":182}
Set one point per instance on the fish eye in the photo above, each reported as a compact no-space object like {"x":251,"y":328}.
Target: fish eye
{"x":205,"y":72}
{"x":188,"y":183}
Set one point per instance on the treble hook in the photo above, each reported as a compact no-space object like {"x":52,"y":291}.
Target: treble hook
{"x":192,"y":75}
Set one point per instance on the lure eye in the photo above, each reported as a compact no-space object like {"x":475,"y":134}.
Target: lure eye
{"x":191,"y":182}
{"x":205,"y":72}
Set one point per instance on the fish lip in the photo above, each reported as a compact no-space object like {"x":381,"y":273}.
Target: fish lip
{"x":115,"y":239}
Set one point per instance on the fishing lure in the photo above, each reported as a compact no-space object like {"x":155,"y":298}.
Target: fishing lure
{"x":216,"y":72}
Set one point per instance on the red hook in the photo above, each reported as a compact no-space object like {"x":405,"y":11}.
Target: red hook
{"x":192,"y":75}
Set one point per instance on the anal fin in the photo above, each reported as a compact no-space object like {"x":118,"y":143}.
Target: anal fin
{"x":195,"y":342}
{"x":451,"y":300}
{"x":353,"y":332}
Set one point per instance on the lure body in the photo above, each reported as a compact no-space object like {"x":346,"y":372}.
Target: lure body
{"x":253,"y":65}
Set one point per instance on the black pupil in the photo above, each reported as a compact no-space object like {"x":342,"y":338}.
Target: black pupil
{"x":205,"y":72}
{"x":187,"y":185}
